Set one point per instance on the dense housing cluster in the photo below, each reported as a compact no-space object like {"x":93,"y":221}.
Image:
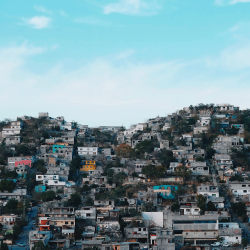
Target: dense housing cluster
{"x":174,"y":182}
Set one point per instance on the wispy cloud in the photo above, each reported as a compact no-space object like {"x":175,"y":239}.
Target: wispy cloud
{"x":42,"y":9}
{"x":130,"y":90}
{"x":92,"y":21}
{"x":125,"y":54}
{"x":63,"y":13}
{"x":133,"y":7}
{"x":240,"y":31}
{"x":38,"y":22}
{"x":230,"y":2}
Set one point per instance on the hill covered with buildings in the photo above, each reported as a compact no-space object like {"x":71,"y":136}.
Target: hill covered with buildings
{"x":176,"y":182}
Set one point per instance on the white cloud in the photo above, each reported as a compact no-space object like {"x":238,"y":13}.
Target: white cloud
{"x":125,"y":54}
{"x":239,"y":1}
{"x":230,"y":2}
{"x":42,"y":9}
{"x":54,"y":47}
{"x":63,"y":13}
{"x":133,"y":7}
{"x":234,"y":58}
{"x":92,"y":21}
{"x":37,"y":22}
{"x":115,"y":90}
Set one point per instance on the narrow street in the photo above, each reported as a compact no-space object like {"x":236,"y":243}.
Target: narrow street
{"x":24,"y":236}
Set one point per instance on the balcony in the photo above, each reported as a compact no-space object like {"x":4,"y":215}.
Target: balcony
{"x":68,"y":231}
{"x":62,"y":219}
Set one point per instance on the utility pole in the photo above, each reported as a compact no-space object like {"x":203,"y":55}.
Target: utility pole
{"x":24,"y":209}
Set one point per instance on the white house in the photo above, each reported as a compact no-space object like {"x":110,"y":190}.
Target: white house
{"x":189,"y":210}
{"x":66,"y":125}
{"x":14,"y":129}
{"x":87,"y":151}
{"x":86,"y":213}
{"x":198,"y":168}
{"x":240,"y":188}
{"x":40,"y":177}
{"x":230,"y":232}
{"x":208,"y":190}
{"x":226,"y":107}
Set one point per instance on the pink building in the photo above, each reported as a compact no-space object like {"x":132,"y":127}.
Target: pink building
{"x":23,"y":162}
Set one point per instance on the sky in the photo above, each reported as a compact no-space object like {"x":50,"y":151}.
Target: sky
{"x":121,"y":62}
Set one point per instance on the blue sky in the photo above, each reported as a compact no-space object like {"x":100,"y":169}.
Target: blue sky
{"x":114,"y":62}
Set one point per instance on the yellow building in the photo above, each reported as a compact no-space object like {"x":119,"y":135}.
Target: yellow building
{"x":88,"y":165}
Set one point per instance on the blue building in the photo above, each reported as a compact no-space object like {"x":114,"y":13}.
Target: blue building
{"x":40,"y":189}
{"x":166,"y":191}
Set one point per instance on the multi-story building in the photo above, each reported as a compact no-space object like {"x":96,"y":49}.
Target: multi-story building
{"x":86,"y":213}
{"x":9,"y":219}
{"x":198,"y":168}
{"x":62,"y":218}
{"x":20,"y":160}
{"x":13,"y":129}
{"x":240,"y":188}
{"x":104,"y":203}
{"x":164,"y":239}
{"x":17,"y":194}
{"x":195,"y":228}
{"x":62,"y":171}
{"x":83,"y":151}
{"x":50,"y":180}
{"x":12,"y":140}
{"x":208,"y":190}
{"x":37,"y":236}
{"x":88,"y":166}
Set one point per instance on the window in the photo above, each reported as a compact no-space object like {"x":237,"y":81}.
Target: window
{"x":66,"y":222}
{"x":243,"y":185}
{"x":139,"y":229}
{"x":244,"y":191}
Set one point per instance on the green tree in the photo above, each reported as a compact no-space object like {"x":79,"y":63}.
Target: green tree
{"x":39,"y":165}
{"x":183,"y":172}
{"x":22,"y":150}
{"x":175,"y":206}
{"x":210,"y":153}
{"x":199,"y":159}
{"x":144,"y":147}
{"x":91,"y":248}
{"x":75,"y":200}
{"x":166,"y":156}
{"x":74,"y":166}
{"x":85,"y":188}
{"x":239,"y":208}
{"x":211,"y":206}
{"x":89,"y":201}
{"x":153,"y":171}
{"x":11,"y":206}
{"x":201,"y":202}
{"x":8,"y":185}
{"x":40,"y":246}
{"x":236,"y":177}
{"x":3,"y":246}
{"x":149,"y":207}
{"x":219,"y":239}
{"x":244,"y":242}
{"x":48,"y":196}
